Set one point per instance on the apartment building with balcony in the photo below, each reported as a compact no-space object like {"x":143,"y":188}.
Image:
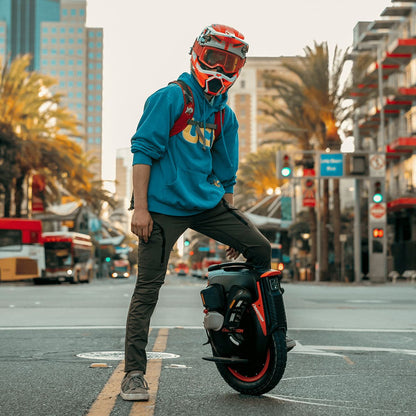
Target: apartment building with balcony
{"x":389,"y":121}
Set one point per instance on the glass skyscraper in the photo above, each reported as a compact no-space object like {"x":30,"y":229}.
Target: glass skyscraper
{"x":55,"y":33}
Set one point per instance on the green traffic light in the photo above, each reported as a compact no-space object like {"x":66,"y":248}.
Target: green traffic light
{"x":286,"y":171}
{"x":377,"y":198}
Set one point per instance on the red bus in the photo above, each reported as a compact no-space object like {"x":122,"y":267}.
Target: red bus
{"x":69,"y":256}
{"x":21,"y":251}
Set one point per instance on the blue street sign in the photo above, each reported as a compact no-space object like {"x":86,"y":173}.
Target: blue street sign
{"x":332,"y":164}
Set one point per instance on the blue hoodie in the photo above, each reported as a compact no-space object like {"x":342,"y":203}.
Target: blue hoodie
{"x":187,"y":176}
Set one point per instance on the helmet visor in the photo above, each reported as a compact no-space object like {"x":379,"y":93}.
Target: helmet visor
{"x":213,"y":58}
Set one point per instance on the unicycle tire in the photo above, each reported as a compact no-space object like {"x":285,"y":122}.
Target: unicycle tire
{"x":261,"y":377}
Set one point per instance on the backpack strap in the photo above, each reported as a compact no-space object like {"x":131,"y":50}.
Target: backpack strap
{"x":188,"y":111}
{"x":188,"y":108}
{"x":219,"y":121}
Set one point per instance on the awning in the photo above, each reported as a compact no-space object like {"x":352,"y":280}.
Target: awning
{"x":401,"y":203}
{"x":404,"y":143}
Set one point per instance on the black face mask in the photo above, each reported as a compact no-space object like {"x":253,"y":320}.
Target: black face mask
{"x":214,"y":85}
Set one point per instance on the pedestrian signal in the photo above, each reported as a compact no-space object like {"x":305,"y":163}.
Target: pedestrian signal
{"x":377,"y":193}
{"x":378,"y":233}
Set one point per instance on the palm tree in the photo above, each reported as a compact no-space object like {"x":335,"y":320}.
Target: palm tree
{"x":256,"y":175}
{"x":42,"y":132}
{"x":313,"y":92}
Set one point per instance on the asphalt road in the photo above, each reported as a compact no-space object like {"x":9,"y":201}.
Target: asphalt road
{"x":356,"y":352}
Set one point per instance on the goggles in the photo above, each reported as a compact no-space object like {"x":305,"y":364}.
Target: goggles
{"x":212,"y":58}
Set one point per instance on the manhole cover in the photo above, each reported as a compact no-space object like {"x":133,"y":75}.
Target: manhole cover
{"x":119,"y":355}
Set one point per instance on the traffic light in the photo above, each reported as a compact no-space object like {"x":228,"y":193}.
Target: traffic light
{"x":285,"y":167}
{"x":377,"y":193}
{"x":186,"y":243}
{"x":378,"y":233}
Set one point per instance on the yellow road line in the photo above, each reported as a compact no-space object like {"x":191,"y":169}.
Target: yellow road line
{"x":154,"y":368}
{"x":105,"y":401}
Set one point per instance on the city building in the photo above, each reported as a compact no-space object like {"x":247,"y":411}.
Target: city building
{"x":245,"y":98}
{"x":387,"y":123}
{"x":54,"y":32}
{"x":124,"y":188}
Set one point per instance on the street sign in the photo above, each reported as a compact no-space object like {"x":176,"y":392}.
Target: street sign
{"x":378,"y":212}
{"x":377,"y":164}
{"x":332,"y":164}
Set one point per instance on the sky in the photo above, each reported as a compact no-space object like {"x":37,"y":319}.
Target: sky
{"x":146,"y":44}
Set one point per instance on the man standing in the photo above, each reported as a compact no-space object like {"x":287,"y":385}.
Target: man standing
{"x":184,"y":179}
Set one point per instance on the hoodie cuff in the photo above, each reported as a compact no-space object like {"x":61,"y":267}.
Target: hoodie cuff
{"x":229,"y":189}
{"x":141,"y":159}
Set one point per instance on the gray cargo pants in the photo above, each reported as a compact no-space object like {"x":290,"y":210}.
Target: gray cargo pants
{"x":223,"y":223}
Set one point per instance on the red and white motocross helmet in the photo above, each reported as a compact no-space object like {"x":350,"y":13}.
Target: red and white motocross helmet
{"x":217,"y":56}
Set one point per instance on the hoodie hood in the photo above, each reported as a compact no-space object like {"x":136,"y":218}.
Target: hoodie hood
{"x":217,"y":102}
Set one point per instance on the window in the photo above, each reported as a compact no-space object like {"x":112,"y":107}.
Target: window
{"x":10,"y":238}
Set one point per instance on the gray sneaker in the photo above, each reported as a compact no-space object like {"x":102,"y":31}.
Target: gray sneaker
{"x":134,"y":387}
{"x":290,"y":343}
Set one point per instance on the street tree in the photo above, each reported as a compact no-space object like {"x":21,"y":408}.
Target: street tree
{"x":313,"y":91}
{"x":39,"y":134}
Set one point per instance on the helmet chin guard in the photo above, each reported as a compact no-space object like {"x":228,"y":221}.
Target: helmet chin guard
{"x":217,"y":57}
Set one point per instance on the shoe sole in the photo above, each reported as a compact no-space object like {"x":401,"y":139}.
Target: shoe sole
{"x":290,"y":346}
{"x":135,"y":396}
